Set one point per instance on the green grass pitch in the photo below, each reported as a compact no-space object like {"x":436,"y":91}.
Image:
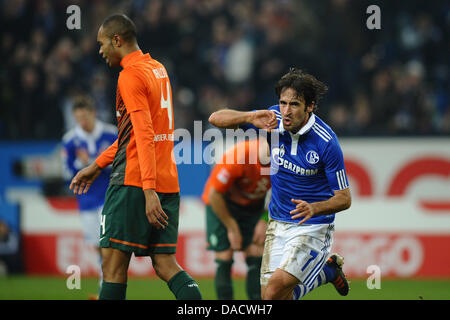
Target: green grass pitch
{"x":54,"y":288}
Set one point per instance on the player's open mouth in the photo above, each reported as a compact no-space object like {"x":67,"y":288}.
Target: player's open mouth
{"x":287,"y":122}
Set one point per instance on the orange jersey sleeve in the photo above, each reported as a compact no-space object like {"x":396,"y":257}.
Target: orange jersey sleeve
{"x":107,"y":156}
{"x":134,"y":94}
{"x":145,"y":145}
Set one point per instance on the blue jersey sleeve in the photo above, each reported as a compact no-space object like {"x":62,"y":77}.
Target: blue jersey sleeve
{"x":71,"y":163}
{"x":275,"y":109}
{"x":247,"y":126}
{"x":69,"y":158}
{"x":334,"y":165}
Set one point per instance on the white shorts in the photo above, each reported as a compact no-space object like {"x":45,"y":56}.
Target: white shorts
{"x":90,"y":222}
{"x":300,"y":250}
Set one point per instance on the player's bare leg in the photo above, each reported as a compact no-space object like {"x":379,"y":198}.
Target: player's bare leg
{"x":254,"y":250}
{"x":178,"y":280}
{"x":115,"y":274}
{"x":280,"y":286}
{"x":224,"y":255}
{"x":165,"y":265}
{"x":115,"y":265}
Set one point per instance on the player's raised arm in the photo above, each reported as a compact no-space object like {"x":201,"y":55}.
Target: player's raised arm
{"x":228,"y":118}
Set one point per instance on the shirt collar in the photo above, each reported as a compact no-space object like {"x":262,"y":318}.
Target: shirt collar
{"x":130,"y":58}
{"x":304,"y":129}
{"x":95,"y":134}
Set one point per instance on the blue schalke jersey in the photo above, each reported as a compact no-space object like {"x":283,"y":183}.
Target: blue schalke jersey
{"x":94,"y":143}
{"x":307,"y":165}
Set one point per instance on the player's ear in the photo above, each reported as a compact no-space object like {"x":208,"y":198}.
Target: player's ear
{"x":310,"y":108}
{"x":116,"y":41}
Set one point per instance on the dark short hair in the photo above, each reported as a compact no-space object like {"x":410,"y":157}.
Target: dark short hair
{"x":121,"y":25}
{"x":83,"y":102}
{"x":304,"y":84}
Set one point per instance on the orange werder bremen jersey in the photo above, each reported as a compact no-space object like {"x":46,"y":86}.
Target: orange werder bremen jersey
{"x":142,"y":155}
{"x":239,"y":176}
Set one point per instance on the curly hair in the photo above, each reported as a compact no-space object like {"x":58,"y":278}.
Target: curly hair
{"x":304,"y":84}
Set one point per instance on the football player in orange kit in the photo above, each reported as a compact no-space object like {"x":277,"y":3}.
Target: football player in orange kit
{"x":234,"y":196}
{"x":141,"y":209}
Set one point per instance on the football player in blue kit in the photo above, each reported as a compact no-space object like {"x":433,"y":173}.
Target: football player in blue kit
{"x":309,"y":186}
{"x":83,"y":143}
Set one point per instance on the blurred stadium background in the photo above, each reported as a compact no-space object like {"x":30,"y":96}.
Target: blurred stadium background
{"x":388,"y":101}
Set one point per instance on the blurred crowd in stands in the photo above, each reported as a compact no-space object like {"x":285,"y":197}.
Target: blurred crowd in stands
{"x":230,"y":53}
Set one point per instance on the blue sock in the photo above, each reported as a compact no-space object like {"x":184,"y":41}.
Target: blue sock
{"x":330,"y":273}
{"x":301,"y":290}
{"x":327,"y":274}
{"x":297,"y":292}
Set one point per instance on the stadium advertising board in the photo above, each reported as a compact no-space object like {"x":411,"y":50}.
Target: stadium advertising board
{"x":399,"y":219}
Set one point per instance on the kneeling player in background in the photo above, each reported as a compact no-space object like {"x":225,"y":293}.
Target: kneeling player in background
{"x":234,"y":196}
